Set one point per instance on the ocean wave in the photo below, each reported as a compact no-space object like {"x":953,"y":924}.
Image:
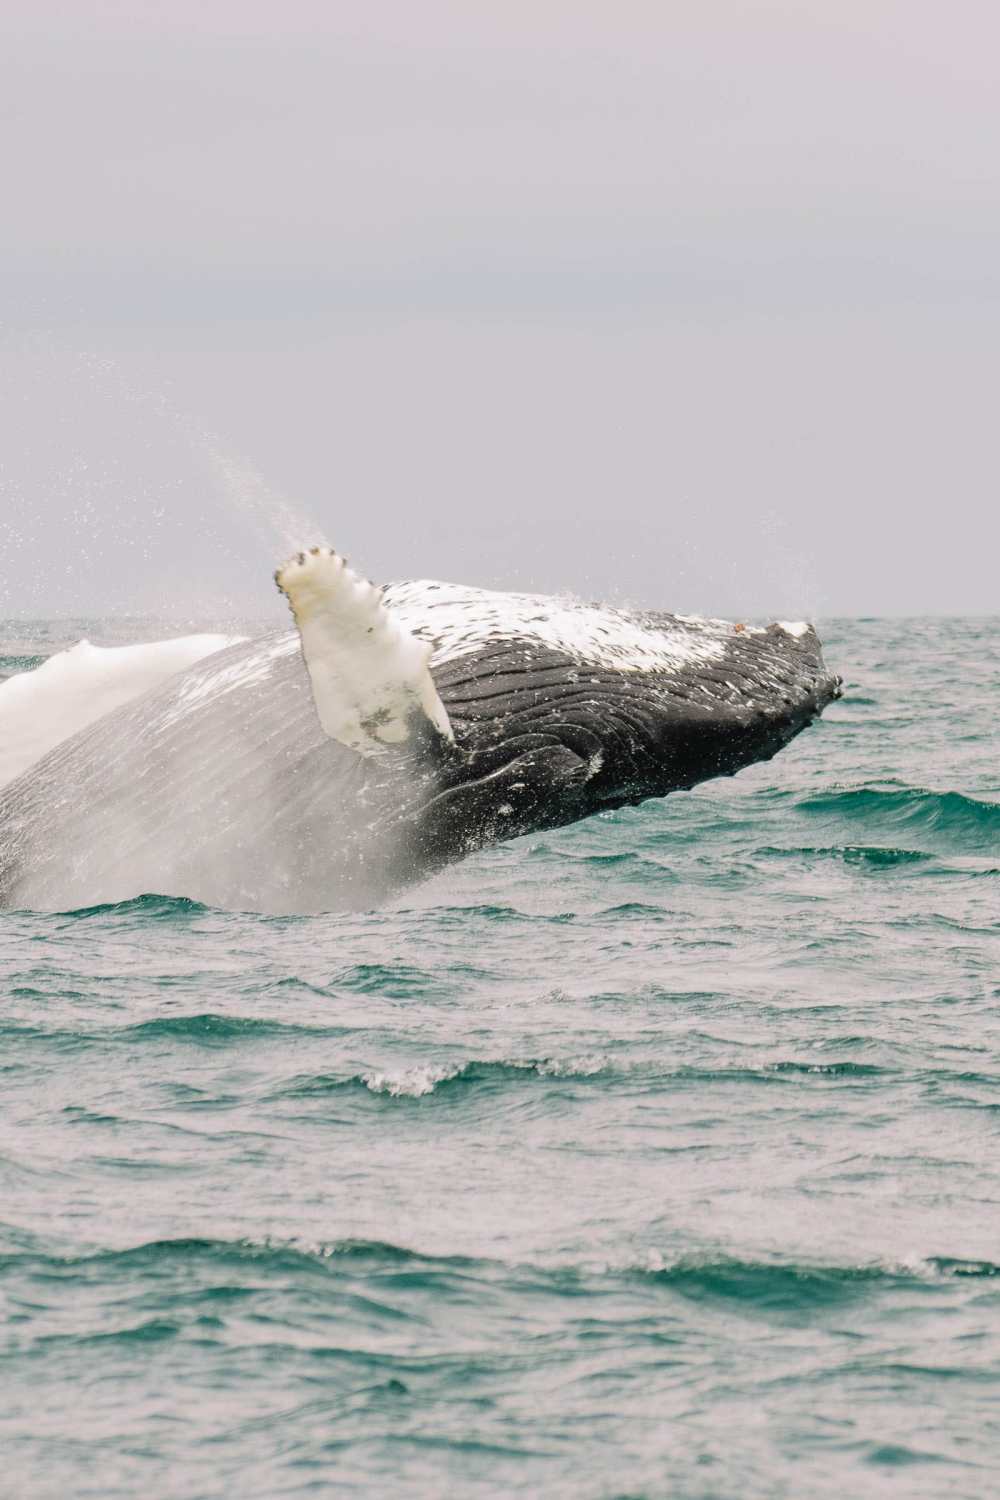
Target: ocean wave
{"x":788,"y":1285}
{"x":950,"y":818}
{"x":205,"y":1029}
{"x":424,"y":1079}
{"x":394,"y":981}
{"x":417,"y":1080}
{"x":461,"y":915}
{"x":150,"y":906}
{"x":830,"y":1070}
{"x":410,"y":1083}
{"x":640,"y":909}
{"x":209,"y":1028}
{"x":270,"y":1255}
{"x":877,"y":856}
{"x":771,"y":1282}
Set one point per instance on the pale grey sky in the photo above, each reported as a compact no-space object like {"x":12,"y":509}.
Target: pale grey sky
{"x":688,"y":304}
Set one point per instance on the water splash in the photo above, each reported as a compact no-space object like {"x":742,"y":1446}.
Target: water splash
{"x":277,"y":521}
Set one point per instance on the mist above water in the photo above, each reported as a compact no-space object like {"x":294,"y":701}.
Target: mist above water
{"x":118,"y":500}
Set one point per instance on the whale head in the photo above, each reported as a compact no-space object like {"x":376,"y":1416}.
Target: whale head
{"x":559,"y":709}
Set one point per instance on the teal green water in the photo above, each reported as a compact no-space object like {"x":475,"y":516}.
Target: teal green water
{"x":656,"y":1157}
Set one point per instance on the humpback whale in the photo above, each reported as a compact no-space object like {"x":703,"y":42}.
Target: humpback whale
{"x":392,"y":731}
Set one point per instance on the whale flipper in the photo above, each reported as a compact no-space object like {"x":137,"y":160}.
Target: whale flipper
{"x":370,"y":677}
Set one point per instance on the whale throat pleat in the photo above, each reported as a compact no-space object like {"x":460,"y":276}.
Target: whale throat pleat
{"x":370,"y":677}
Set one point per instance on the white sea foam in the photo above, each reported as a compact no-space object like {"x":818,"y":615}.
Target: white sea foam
{"x":585,"y":1066}
{"x":423,"y":1078}
{"x":410,"y":1083}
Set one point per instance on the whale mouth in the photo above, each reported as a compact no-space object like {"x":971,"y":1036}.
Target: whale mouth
{"x":519,"y":786}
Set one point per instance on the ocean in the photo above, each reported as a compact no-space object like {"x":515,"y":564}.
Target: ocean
{"x":650,"y":1159}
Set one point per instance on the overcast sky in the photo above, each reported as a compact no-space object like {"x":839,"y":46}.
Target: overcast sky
{"x":688,"y":304}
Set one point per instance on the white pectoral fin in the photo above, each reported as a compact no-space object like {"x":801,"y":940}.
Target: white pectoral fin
{"x":370,"y":677}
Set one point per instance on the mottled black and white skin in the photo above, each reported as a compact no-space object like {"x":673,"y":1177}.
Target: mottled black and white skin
{"x":391,"y":732}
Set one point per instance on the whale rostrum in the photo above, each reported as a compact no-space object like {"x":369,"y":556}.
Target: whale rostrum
{"x":392,"y":731}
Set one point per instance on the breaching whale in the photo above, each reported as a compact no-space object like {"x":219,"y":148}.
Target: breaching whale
{"x":393,"y":731}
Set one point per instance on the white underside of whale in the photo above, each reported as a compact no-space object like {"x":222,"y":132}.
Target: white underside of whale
{"x":75,"y":688}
